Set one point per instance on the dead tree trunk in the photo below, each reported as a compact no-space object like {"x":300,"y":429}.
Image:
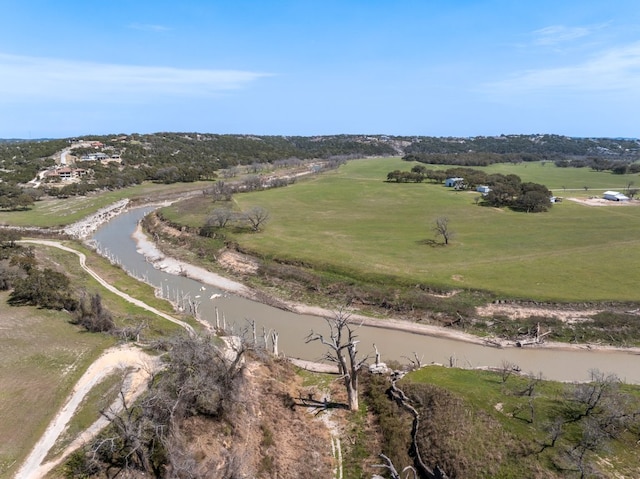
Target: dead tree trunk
{"x":404,"y":402}
{"x":341,"y":345}
{"x":274,"y":342}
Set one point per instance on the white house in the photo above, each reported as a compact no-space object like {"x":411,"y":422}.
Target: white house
{"x":614,"y":196}
{"x":453,"y":181}
{"x":484,"y":189}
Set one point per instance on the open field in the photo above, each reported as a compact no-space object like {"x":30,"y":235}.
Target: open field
{"x":42,"y":355}
{"x":56,"y":212}
{"x":353,"y":223}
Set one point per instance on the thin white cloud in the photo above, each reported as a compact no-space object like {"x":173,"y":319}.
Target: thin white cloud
{"x":614,"y":70}
{"x":146,"y":27}
{"x":556,"y":34}
{"x":31,"y":78}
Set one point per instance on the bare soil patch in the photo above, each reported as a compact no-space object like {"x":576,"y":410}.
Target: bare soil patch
{"x":268,"y":436}
{"x":595,"y":201}
{"x":237,"y":262}
{"x":518,"y":311}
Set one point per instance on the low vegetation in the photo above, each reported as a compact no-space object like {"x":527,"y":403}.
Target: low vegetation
{"x":210,"y":413}
{"x":43,"y":356}
{"x":44,"y":352}
{"x":484,"y":424}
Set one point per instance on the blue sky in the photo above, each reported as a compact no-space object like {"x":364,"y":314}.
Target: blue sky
{"x":423,"y":67}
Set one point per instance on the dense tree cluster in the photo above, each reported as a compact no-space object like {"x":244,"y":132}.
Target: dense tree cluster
{"x":505,"y":190}
{"x":20,"y":161}
{"x":526,"y":145}
{"x":45,"y":288}
{"x":616,"y":155}
{"x":209,"y":152}
{"x":13,"y":197}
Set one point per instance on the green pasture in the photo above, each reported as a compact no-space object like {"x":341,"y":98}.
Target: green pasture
{"x":352,"y":222}
{"x":55,"y":212}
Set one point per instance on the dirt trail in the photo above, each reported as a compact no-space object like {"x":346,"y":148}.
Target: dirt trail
{"x":112,"y":359}
{"x":111,"y":288}
{"x":109,"y":362}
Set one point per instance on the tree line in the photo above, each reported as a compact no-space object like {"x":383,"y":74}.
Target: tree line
{"x":505,"y":190}
{"x":187,"y":157}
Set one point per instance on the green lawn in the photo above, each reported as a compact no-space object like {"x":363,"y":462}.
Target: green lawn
{"x":353,"y":222}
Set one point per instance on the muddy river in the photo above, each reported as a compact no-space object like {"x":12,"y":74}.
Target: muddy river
{"x":115,"y":237}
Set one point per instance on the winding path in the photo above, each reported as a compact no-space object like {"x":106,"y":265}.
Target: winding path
{"x":110,"y":361}
{"x":113,"y":289}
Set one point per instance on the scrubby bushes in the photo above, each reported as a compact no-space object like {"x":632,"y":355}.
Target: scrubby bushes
{"x":199,"y":378}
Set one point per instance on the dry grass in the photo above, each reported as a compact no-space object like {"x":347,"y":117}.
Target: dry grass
{"x":41,"y":357}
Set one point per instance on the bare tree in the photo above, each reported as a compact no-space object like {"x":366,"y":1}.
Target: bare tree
{"x":442,"y":228}
{"x":594,"y":397}
{"x":257,"y":217}
{"x":92,"y":315}
{"x":393,"y":471}
{"x":507,"y":368}
{"x":341,"y":344}
{"x":252,"y":183}
{"x":221,"y":191}
{"x":220,"y":217}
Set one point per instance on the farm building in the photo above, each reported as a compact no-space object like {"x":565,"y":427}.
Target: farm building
{"x":453,"y":181}
{"x":484,"y":189}
{"x":614,"y":196}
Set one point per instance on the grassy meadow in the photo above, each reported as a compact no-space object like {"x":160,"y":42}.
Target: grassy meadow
{"x":352,"y":222}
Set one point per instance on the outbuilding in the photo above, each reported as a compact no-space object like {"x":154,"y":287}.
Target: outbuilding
{"x":614,"y":196}
{"x":453,"y":181}
{"x":484,"y":189}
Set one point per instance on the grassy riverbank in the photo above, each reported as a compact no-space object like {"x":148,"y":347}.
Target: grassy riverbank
{"x":479,"y":424}
{"x":354,"y":224}
{"x":349,"y":235}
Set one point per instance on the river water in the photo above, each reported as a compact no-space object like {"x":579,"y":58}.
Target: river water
{"x":115,"y":237}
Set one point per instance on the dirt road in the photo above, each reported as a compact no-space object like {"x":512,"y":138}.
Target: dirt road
{"x":116,"y":358}
{"x":124,"y":357}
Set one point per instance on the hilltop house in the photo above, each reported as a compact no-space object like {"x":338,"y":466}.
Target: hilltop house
{"x":66,"y":173}
{"x":94,"y":157}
